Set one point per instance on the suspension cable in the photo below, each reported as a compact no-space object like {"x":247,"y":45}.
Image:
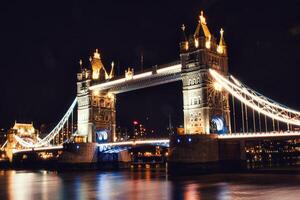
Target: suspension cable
{"x":233,"y":109}
{"x":254,"y":125}
{"x":246,"y":113}
{"x":266,"y":124}
{"x":243,"y":125}
{"x":257,"y":101}
{"x":259,"y":121}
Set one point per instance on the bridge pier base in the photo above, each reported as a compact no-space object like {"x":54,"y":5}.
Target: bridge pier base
{"x":87,"y":156}
{"x":200,"y":151}
{"x":79,"y":153}
{"x":118,"y":160}
{"x":204,"y":153}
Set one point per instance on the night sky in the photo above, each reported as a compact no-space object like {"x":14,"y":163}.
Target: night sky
{"x":41,"y":43}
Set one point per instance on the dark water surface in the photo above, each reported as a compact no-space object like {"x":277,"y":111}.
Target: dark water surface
{"x":146,"y":184}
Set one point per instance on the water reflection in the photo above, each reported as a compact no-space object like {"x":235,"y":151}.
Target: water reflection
{"x":145,"y":184}
{"x":29,"y":185}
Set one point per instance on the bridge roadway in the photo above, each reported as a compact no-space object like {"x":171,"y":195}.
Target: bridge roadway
{"x":105,"y":147}
{"x":37,"y":149}
{"x":261,"y":135}
{"x":151,"y":77}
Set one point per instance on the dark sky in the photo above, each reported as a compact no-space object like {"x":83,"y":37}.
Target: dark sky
{"x":42,"y":41}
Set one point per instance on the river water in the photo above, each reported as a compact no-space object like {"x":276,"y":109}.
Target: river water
{"x":146,"y":184}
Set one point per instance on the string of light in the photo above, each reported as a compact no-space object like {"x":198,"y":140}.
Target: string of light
{"x":258,"y":103}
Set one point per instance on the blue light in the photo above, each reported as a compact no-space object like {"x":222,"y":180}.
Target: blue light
{"x":219,"y":125}
{"x":178,"y":140}
{"x":102,"y":135}
{"x":77,"y":146}
{"x":190,"y":139}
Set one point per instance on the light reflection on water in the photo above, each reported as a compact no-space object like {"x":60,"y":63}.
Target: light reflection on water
{"x":145,"y":184}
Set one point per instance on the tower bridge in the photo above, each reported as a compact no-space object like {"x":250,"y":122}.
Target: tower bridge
{"x":216,"y":106}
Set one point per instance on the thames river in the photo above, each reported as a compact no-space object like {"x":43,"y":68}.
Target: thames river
{"x":146,"y":184}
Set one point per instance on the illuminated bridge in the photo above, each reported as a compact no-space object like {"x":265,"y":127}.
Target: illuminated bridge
{"x":259,"y":104}
{"x":216,"y":105}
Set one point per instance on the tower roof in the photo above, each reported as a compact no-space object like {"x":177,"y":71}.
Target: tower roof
{"x":96,"y":61}
{"x":202,"y":29}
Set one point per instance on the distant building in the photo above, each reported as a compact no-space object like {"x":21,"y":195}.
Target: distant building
{"x":25,"y":130}
{"x":122,"y":134}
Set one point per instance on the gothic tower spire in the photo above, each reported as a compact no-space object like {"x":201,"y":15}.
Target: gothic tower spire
{"x":202,"y":29}
{"x":221,"y":49}
{"x":99,"y":71}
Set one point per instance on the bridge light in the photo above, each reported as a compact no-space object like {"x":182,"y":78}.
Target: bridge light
{"x":196,"y":43}
{"x":208,"y":43}
{"x":190,"y":139}
{"x":186,"y":46}
{"x":217,"y":86}
{"x":178,"y":140}
{"x":77,"y":146}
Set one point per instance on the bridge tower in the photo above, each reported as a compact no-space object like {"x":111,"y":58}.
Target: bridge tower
{"x":206,"y":105}
{"x":103,"y":102}
{"x":96,"y":109}
{"x":84,"y":123}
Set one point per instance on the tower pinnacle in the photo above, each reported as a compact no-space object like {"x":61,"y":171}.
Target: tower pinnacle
{"x":111,"y":74}
{"x":97,"y":54}
{"x":202,"y":19}
{"x":184,"y":40}
{"x":202,"y":29}
{"x":183,"y":27}
{"x":222,"y":45}
{"x":80,"y":64}
{"x":97,"y":66}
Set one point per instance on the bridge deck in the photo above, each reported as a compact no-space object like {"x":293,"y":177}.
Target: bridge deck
{"x":155,"y":76}
{"x":266,"y":135}
{"x":166,"y":141}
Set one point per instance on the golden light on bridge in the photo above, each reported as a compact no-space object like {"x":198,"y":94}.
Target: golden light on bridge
{"x":196,"y":42}
{"x":217,"y":86}
{"x":208,"y":43}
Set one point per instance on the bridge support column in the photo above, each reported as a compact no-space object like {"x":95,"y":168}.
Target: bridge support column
{"x":79,"y":154}
{"x":104,"y":115}
{"x":84,"y":120}
{"x":197,"y":149}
